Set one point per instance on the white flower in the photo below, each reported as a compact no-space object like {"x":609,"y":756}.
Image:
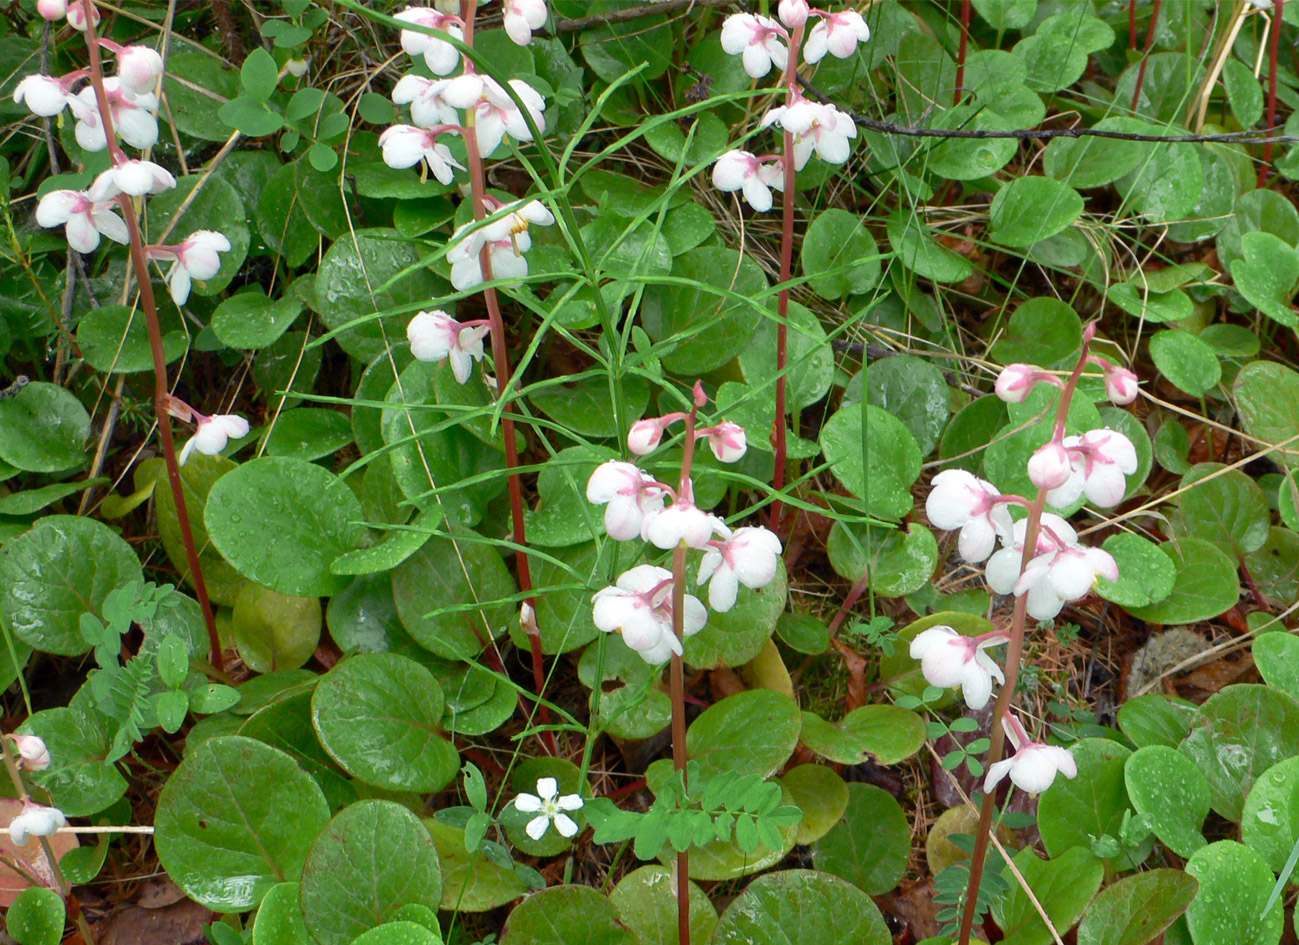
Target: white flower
{"x":138,"y":68}
{"x":406,"y":146}
{"x":749,"y":556}
{"x":1033,"y":766}
{"x":436,"y":335}
{"x":757,"y":39}
{"x":1049,"y":466}
{"x":1003,"y":567}
{"x":549,"y":806}
{"x":507,"y":239}
{"x":440,"y":56}
{"x":1260,"y":4}
{"x":958,"y":499}
{"x":77,"y":14}
{"x":495,"y":114}
{"x":793,"y":13}
{"x":522,"y":17}
{"x":645,"y":436}
{"x":1120,"y":385}
{"x":85,"y":220}
{"x":1016,"y":381}
{"x":35,"y":821}
{"x":815,"y":127}
{"x":52,"y":9}
{"x":132,"y":115}
{"x":681,"y":521}
{"x":628,"y":495}
{"x":428,"y":108}
{"x":727,"y":441}
{"x":31,"y":749}
{"x":1064,"y":574}
{"x":837,"y":34}
{"x":213,"y":433}
{"x":1099,"y":461}
{"x":948,"y":659}
{"x":134,"y":177}
{"x":640,"y":608}
{"x":296,"y":67}
{"x":198,"y":257}
{"x":740,"y":170}
{"x":42,"y":95}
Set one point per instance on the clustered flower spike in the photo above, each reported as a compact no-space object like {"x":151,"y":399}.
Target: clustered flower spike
{"x":551,"y":807}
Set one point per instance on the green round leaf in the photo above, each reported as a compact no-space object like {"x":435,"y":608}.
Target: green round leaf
{"x":1269,"y":824}
{"x":839,"y":255}
{"x":470,"y":881}
{"x":1188,"y":363}
{"x":80,"y":778}
{"x":913,"y":390}
{"x":801,"y":907}
{"x":1030,"y":209}
{"x":251,"y":320}
{"x":870,"y":844}
{"x":1146,"y":574}
{"x":43,"y":428}
{"x":1062,"y":885}
{"x":887,"y":732}
{"x":563,"y":915}
{"x":281,"y":522}
{"x":1276,"y":654}
{"x":1267,"y":395}
{"x":810,"y":359}
{"x":880,"y":451}
{"x":900,"y":560}
{"x":399,"y":933}
{"x":646,"y":900}
{"x":820,"y":794}
{"x":1236,"y":735}
{"x":583,"y":406}
{"x":1234,"y":887}
{"x":234,"y":819}
{"x":1206,"y":585}
{"x":279,"y":918}
{"x":374,"y":858}
{"x":380,"y":716}
{"x":36,"y":917}
{"x":274,"y":631}
{"x":1156,"y":719}
{"x":1266,"y":275}
{"x":1166,"y":786}
{"x":63,"y":567}
{"x":1041,"y":331}
{"x":285,"y":723}
{"x":309,"y":433}
{"x":113,"y":339}
{"x":1134,"y":910}
{"x":1092,"y":804}
{"x":751,"y":732}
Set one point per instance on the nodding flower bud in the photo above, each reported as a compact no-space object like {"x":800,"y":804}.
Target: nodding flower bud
{"x":52,"y":9}
{"x":645,"y":436}
{"x":1049,"y":466}
{"x":1016,"y":381}
{"x":727,"y":441}
{"x":794,"y":13}
{"x":1120,"y":385}
{"x":32,"y":751}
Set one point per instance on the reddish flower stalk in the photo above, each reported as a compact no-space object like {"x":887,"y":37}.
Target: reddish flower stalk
{"x":160,"y":387}
{"x":1014,"y":653}
{"x":1132,"y":25}
{"x":1145,"y":54}
{"x":501,"y":358}
{"x":786,"y":273}
{"x":960,"y":55}
{"x":1274,"y":43}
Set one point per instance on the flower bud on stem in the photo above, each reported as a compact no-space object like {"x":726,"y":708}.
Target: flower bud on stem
{"x":1014,"y":653}
{"x":161,"y":396}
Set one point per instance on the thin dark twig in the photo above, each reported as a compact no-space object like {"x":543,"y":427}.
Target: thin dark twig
{"x":633,"y":13}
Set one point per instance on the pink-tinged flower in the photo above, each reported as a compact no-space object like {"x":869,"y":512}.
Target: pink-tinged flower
{"x":747,"y":556}
{"x":42,"y":95}
{"x":757,"y":39}
{"x":1067,"y":573}
{"x":727,"y":441}
{"x":198,"y":257}
{"x":138,"y":68}
{"x":35,"y":821}
{"x":838,"y":34}
{"x":794,"y":13}
{"x":32,"y":752}
{"x":52,"y":9}
{"x":213,"y":433}
{"x":522,"y":17}
{"x":1002,"y":570}
{"x":440,"y":56}
{"x":645,"y":436}
{"x":1033,"y":766}
{"x":740,"y":170}
{"x":132,"y":115}
{"x":495,"y":114}
{"x":507,"y":240}
{"x":84,"y":220}
{"x":134,"y":177}
{"x":406,"y":145}
{"x":428,"y":107}
{"x":628,"y":495}
{"x":948,"y":659}
{"x":77,"y":14}
{"x":549,"y":806}
{"x":1099,"y":462}
{"x":961,"y":500}
{"x":815,"y":127}
{"x":640,"y":608}
{"x":1049,"y":466}
{"x":436,"y":335}
{"x":1016,"y":381}
{"x":1120,"y":385}
{"x":682,"y":521}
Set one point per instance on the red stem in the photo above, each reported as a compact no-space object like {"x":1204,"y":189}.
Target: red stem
{"x":160,"y":387}
{"x":1132,"y":25}
{"x":960,"y":55}
{"x":1145,"y":54}
{"x":786,"y":273}
{"x":1274,"y":42}
{"x":501,"y":358}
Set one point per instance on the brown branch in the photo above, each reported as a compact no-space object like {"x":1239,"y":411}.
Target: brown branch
{"x":634,"y":13}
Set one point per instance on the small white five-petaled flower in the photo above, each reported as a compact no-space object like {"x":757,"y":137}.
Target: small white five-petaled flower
{"x":549,"y":806}
{"x":1033,"y":766}
{"x":35,"y":821}
{"x":948,"y":659}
